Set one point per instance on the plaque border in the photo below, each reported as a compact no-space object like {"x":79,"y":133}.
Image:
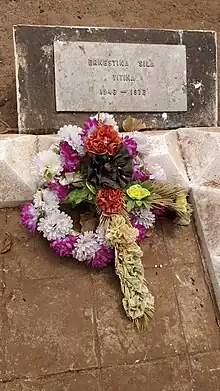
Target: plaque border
{"x":36,"y":86}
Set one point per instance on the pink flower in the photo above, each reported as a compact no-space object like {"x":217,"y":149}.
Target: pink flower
{"x":139,"y":174}
{"x":28,"y":216}
{"x":61,"y":190}
{"x":89,"y":127}
{"x":64,"y":247}
{"x":130,"y":145}
{"x":70,"y":158}
{"x":141,"y":229}
{"x":102,"y":257}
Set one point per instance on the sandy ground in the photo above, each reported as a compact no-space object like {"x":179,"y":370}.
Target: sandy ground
{"x":180,"y":14}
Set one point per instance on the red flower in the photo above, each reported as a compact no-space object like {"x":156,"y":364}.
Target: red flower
{"x":104,"y":141}
{"x":110,"y":200}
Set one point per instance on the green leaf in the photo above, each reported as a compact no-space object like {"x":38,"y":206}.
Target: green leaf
{"x":91,"y":188}
{"x":78,"y":195}
{"x":146,"y":204}
{"x":130,"y":205}
{"x":147,"y":185}
{"x":139,"y":203}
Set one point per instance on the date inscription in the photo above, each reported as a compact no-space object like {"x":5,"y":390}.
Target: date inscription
{"x":119,"y":77}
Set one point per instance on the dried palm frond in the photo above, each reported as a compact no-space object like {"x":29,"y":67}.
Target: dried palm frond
{"x":138,"y":302}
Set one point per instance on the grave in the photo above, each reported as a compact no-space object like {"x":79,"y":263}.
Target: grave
{"x":166,"y":77}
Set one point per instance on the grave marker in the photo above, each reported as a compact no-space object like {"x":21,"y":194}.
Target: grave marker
{"x":165,"y":77}
{"x":119,"y":77}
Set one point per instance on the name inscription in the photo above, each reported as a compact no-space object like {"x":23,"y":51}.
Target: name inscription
{"x":91,"y":76}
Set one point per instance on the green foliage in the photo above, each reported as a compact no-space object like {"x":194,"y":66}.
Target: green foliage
{"x":130,"y":204}
{"x":78,"y":195}
{"x":146,"y":202}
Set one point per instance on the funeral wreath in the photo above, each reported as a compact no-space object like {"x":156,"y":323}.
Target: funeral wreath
{"x":106,"y":174}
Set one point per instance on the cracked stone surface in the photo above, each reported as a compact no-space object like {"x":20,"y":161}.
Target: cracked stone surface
{"x":16,"y":183}
{"x":63,"y":327}
{"x":17,"y":152}
{"x":207,"y":216}
{"x":201,"y":153}
{"x":164,"y":150}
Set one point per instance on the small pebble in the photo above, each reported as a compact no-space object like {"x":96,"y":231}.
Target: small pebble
{"x":155,"y":265}
{"x":160,"y":266}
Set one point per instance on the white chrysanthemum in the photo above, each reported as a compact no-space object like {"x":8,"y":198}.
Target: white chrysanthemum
{"x":45,"y":200}
{"x":55,"y":225}
{"x":100,"y":235}
{"x":85,"y":247}
{"x":107,"y":119}
{"x":143,"y":142}
{"x":71,"y":134}
{"x":157,"y":172}
{"x":46,"y":165}
{"x":145,"y":217}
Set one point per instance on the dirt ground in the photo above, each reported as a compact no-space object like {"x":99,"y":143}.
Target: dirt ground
{"x":171,"y":14}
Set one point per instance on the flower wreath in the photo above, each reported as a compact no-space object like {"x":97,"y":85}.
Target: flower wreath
{"x":104,"y":172}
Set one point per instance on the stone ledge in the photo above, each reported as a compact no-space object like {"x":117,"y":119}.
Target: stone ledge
{"x":201,"y":155}
{"x":206,"y":201}
{"x":190,"y":157}
{"x":16,"y":183}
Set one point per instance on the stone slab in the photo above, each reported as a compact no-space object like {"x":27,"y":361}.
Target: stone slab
{"x":51,"y":326}
{"x":206,"y":371}
{"x":19,"y":260}
{"x":82,"y":381}
{"x":35,"y":75}
{"x":17,"y":152}
{"x":162,"y":375}
{"x":119,"y":342}
{"x":119,"y":77}
{"x":16,"y":183}
{"x":164,"y":150}
{"x":206,"y":202}
{"x":199,"y":323}
{"x":201,"y":154}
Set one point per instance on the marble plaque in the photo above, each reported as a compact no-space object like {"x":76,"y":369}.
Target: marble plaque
{"x":119,"y":77}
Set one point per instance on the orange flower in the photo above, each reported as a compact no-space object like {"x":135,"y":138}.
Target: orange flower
{"x":104,"y":141}
{"x":110,"y":200}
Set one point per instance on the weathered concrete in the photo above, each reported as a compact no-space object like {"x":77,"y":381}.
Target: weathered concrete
{"x":63,"y":325}
{"x":35,"y":67}
{"x":120,"y":76}
{"x":195,"y":151}
{"x":16,"y":182}
{"x":201,"y":154}
{"x":207,"y":216}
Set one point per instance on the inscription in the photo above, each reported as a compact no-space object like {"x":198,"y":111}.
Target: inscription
{"x":107,"y":63}
{"x":119,"y":77}
{"x":146,"y":64}
{"x":133,"y":92}
{"x":123,"y":78}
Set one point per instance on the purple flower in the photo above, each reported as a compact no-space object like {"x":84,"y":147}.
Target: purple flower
{"x":138,"y":174}
{"x":89,"y":127}
{"x":70,"y":158}
{"x":28,"y":216}
{"x":61,"y":190}
{"x":64,"y":247}
{"x":141,"y":229}
{"x":102,"y":257}
{"x":158,"y":211}
{"x":130,"y":145}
